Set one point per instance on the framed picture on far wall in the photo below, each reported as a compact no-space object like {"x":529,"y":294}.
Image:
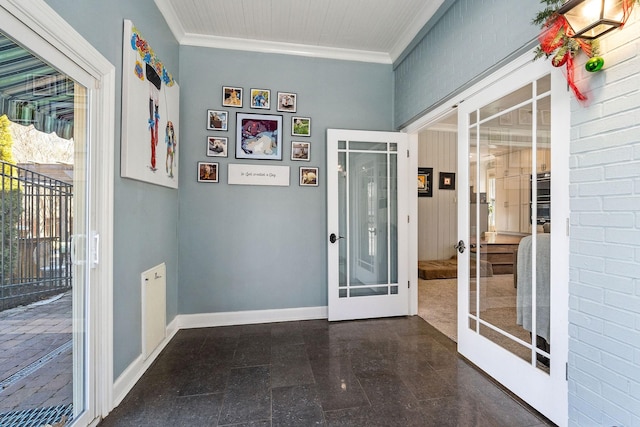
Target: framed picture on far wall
{"x":260,"y":98}
{"x":207,"y":172}
{"x":217,"y":120}
{"x":217,"y":146}
{"x":232,"y":96}
{"x":425,"y":182}
{"x":258,"y":136}
{"x":300,"y":150}
{"x":308,"y":177}
{"x":287,"y":102}
{"x":300,"y":126}
{"x":447,"y":181}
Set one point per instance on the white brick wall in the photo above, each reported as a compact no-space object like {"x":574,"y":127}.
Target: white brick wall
{"x":604,"y":316}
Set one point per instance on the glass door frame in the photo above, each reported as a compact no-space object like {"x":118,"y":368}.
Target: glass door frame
{"x":38,"y":27}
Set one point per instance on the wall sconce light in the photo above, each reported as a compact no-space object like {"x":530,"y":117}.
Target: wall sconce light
{"x":590,"y":19}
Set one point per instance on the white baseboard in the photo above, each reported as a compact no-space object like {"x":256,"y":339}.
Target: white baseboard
{"x":125,"y":382}
{"x":208,"y":320}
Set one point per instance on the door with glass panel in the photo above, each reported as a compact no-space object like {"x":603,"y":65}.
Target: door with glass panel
{"x":513,"y":262}
{"x":367,"y":224}
{"x":46,"y":240}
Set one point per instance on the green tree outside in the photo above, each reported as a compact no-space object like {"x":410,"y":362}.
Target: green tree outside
{"x":10,"y":197}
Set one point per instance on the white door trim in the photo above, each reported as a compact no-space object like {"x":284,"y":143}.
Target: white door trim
{"x":38,"y":24}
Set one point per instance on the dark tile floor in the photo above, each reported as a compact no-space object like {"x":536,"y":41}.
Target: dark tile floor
{"x":384,"y":372}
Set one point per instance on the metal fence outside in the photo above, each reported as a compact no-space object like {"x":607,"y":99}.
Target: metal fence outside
{"x":36,"y":236}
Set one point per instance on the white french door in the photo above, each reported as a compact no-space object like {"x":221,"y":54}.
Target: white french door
{"x":512,"y":222}
{"x":367,"y":196}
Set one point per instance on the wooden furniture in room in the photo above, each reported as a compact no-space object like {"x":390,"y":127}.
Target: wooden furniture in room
{"x":499,"y":249}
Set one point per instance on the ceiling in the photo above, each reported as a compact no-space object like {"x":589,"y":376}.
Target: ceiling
{"x":361,"y":30}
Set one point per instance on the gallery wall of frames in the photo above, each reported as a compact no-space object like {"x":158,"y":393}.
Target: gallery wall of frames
{"x":256,"y":125}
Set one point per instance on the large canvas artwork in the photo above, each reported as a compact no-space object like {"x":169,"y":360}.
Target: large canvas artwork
{"x":150,"y":114}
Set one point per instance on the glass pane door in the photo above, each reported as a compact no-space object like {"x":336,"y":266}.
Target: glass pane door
{"x":368,"y":188}
{"x":514,"y":272}
{"x":43,"y":126}
{"x":510,"y":154}
{"x":364,"y":250}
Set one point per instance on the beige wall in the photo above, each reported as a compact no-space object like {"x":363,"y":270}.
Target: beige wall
{"x":437,"y":215}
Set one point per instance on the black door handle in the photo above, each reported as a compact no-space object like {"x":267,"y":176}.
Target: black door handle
{"x":333,"y":238}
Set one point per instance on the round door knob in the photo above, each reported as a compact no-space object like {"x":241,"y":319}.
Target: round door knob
{"x":460,"y":247}
{"x":333,"y":238}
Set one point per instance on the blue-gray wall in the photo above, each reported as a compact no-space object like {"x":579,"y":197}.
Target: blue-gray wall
{"x":241,"y":248}
{"x":254,"y":247}
{"x":145,"y":215}
{"x":471,"y":38}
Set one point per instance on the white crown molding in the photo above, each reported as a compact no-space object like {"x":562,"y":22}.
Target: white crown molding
{"x":414,"y":28}
{"x":190,"y":39}
{"x":171,"y":17}
{"x":284,"y":48}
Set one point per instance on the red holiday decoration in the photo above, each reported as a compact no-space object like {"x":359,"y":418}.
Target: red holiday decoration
{"x":557,"y":41}
{"x":553,"y":38}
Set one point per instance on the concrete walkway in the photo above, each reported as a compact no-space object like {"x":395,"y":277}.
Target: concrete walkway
{"x":36,"y":355}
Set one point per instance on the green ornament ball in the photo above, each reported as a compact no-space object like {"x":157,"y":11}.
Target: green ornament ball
{"x":594,"y":64}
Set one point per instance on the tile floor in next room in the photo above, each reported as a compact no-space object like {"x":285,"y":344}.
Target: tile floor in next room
{"x":383,"y":372}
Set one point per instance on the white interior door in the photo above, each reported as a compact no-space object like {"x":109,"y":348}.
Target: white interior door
{"x":367,"y":224}
{"x":513,"y":274}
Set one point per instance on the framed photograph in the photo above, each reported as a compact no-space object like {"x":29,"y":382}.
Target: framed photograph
{"x":300,"y":150}
{"x":261,"y":98}
{"x":287,"y":102}
{"x":447,"y":181}
{"x":300,"y":126}
{"x":425,"y":182}
{"x":217,"y":120}
{"x":207,"y":172}
{"x":231,"y":96}
{"x":217,"y":146}
{"x":308,"y":177}
{"x":258,"y":136}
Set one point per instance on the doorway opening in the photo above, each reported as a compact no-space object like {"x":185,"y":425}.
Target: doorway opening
{"x":437,"y":225}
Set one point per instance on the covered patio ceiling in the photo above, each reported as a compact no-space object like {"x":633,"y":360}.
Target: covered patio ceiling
{"x":34,"y":93}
